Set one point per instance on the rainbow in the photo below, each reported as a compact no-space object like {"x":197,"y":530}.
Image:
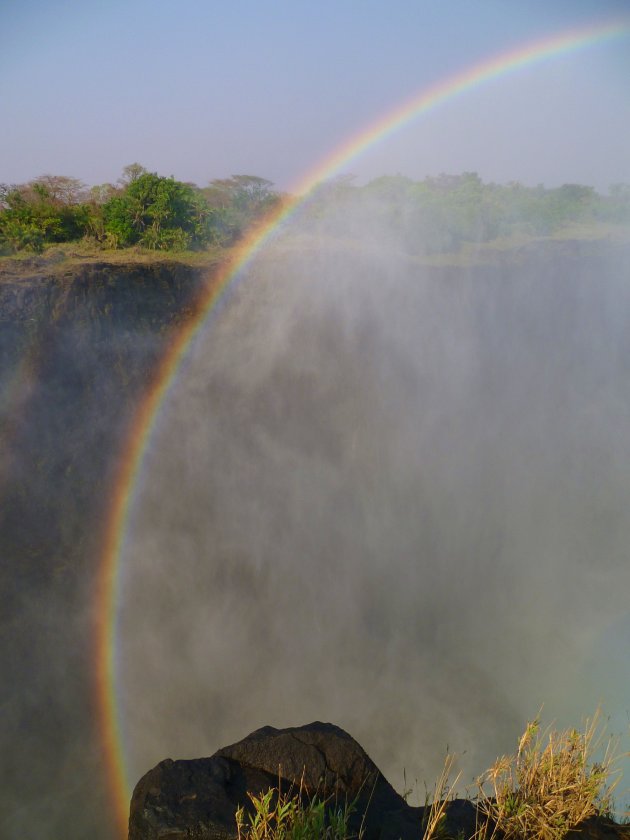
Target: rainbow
{"x":131,"y":458}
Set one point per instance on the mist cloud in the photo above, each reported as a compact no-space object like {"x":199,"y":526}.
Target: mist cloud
{"x":386,"y":495}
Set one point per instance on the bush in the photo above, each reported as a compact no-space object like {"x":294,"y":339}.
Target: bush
{"x":36,"y":213}
{"x":156,"y":212}
{"x":550,"y":786}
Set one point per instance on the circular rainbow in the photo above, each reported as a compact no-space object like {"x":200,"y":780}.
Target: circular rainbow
{"x":131,"y":457}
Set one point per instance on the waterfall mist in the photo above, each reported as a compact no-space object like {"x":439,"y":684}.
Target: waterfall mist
{"x":388,"y":495}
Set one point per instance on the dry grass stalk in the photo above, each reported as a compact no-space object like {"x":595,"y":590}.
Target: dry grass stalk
{"x":550,"y":786}
{"x":433,"y":825}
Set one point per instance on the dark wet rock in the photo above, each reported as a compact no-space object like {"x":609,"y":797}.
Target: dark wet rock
{"x":80,"y":346}
{"x":180,"y":800}
{"x":599,"y":828}
{"x":320,"y":756}
{"x":461,"y":820}
{"x":196,"y":798}
{"x":199,"y":798}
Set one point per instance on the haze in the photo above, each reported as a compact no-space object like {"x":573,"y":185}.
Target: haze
{"x":399,"y":506}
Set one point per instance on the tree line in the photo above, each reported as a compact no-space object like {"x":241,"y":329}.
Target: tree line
{"x":440,"y":214}
{"x":437,"y":214}
{"x":143,"y":208}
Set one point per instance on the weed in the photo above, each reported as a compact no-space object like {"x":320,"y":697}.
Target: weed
{"x":550,"y":786}
{"x":434,"y":821}
{"x":290,"y":816}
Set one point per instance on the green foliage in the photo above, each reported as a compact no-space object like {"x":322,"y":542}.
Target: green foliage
{"x":441,"y":214}
{"x":236,"y":204}
{"x":45,"y":210}
{"x":155,"y":212}
{"x":21,"y":234}
{"x":280,"y":816}
{"x":144,"y":209}
{"x":616,"y":208}
{"x":162,"y":213}
{"x":433,"y":216}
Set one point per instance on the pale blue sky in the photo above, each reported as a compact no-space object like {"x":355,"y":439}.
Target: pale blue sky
{"x":201,"y":89}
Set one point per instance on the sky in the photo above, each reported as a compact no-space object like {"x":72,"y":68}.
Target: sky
{"x":201,"y":89}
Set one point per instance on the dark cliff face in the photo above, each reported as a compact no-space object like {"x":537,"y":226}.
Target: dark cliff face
{"x":78,"y":349}
{"x":77,"y":352}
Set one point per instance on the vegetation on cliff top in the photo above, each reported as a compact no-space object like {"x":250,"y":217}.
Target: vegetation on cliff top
{"x":143,"y":209}
{"x":152,"y":212}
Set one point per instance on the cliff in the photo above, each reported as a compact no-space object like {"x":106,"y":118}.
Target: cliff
{"x":79,"y":345}
{"x":77,"y":350}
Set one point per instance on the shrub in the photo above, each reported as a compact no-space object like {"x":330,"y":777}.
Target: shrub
{"x":156,"y":212}
{"x":550,"y":786}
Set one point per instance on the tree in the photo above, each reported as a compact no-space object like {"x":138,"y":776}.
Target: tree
{"x":60,"y":190}
{"x":236,"y":203}
{"x":157,"y":212}
{"x":616,"y":207}
{"x":47,"y":209}
{"x":131,"y":173}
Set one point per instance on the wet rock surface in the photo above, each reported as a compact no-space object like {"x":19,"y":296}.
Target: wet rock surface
{"x":79,"y":348}
{"x":199,"y":798}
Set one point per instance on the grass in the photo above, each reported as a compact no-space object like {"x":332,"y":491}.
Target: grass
{"x":291,"y":816}
{"x":554,"y":782}
{"x":61,"y":257}
{"x":58,"y":257}
{"x":434,"y":814}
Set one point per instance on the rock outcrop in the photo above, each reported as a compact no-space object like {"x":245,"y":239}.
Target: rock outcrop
{"x":198,"y":798}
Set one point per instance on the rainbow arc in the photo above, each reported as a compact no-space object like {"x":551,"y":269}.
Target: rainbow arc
{"x":108,"y":593}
